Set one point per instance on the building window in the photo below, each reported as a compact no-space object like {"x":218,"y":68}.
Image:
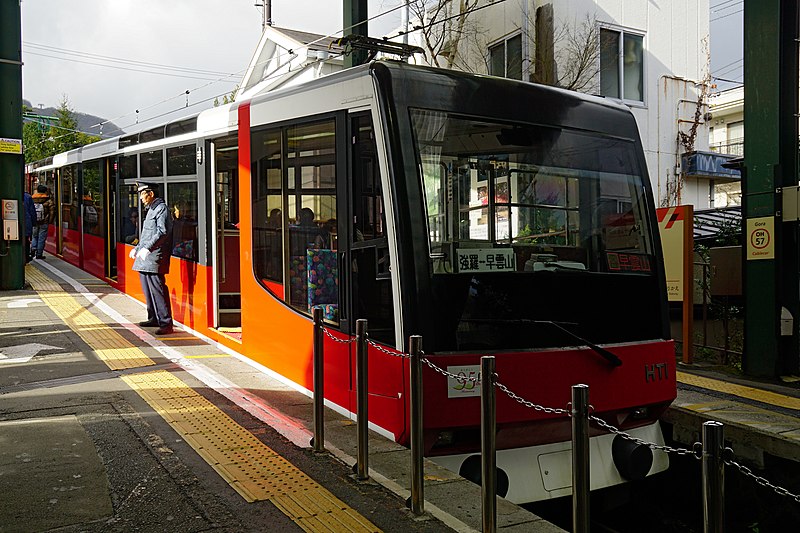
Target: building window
{"x":505,"y":58}
{"x":622,"y":65}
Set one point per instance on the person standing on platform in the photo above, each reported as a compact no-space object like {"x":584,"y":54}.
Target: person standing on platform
{"x":30,"y":222}
{"x":151,"y":259}
{"x":45,"y":212}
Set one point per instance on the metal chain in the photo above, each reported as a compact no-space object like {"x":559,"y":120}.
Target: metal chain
{"x":447,"y":374}
{"x":340,"y":341}
{"x":780,"y":491}
{"x":526,"y":403}
{"x":696,"y":452}
{"x":386,"y":350}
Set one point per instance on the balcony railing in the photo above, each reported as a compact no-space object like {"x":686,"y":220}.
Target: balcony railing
{"x":731,"y":147}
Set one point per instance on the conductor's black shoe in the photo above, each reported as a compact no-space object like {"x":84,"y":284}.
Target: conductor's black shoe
{"x":164,"y":330}
{"x":148,"y":323}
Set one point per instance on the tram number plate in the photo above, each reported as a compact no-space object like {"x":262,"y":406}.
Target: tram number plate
{"x":466,"y":384}
{"x":486,"y":260}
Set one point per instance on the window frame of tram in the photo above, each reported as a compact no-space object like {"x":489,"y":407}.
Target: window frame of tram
{"x":92,"y":199}
{"x":176,"y":177}
{"x":294,"y":190}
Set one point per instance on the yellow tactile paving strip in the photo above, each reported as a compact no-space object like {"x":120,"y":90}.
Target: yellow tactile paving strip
{"x":111,"y":347}
{"x":249,"y":466}
{"x":751,"y":393}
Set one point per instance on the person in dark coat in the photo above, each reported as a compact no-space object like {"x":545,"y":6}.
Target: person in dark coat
{"x":151,"y":259}
{"x":30,"y":221}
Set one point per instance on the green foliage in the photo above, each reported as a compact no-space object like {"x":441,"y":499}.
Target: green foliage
{"x":46,"y":136}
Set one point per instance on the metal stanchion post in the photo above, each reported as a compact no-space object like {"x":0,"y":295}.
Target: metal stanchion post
{"x":713,"y":478}
{"x":488,"y":449}
{"x":362,"y":470}
{"x":580,"y":459}
{"x":319,"y":385}
{"x":417,"y":479}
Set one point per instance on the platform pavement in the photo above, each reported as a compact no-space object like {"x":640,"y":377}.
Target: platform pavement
{"x":452,"y":503}
{"x":759,"y":416}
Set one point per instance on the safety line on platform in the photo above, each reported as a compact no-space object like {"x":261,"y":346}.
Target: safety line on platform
{"x":111,"y":347}
{"x":743,"y":391}
{"x":249,"y":466}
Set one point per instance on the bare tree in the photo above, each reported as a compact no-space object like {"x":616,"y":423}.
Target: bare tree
{"x":442,"y":28}
{"x":566,"y":55}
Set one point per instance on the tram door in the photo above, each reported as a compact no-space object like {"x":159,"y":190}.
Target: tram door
{"x":227,"y":288}
{"x":110,"y":203}
{"x":370,"y":282}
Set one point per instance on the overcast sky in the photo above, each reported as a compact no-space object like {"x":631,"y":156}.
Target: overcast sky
{"x":725,"y":19}
{"x":201,"y":40}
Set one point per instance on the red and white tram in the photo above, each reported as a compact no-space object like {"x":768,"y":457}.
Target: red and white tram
{"x":489,"y":216}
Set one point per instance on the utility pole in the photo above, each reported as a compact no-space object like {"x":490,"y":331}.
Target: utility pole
{"x":355,"y":23}
{"x":771,"y":262}
{"x":12,"y":257}
{"x":266,"y":13}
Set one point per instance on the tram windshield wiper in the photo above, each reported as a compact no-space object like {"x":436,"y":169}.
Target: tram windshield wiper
{"x":612,"y":359}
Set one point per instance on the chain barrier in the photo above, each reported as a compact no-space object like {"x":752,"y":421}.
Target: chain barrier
{"x":697,"y":447}
{"x":335,"y":339}
{"x":696,"y":451}
{"x":780,"y":491}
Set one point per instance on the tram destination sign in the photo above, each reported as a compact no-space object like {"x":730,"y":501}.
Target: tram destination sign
{"x":486,"y":260}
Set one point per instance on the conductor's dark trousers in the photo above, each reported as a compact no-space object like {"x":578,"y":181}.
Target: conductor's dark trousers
{"x":156,"y":295}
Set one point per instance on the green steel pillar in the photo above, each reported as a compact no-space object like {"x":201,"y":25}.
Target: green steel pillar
{"x":355,"y":23}
{"x":770,"y":163}
{"x":12,"y":273}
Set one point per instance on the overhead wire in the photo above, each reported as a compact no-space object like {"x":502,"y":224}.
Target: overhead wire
{"x":280,"y":56}
{"x":113,"y":59}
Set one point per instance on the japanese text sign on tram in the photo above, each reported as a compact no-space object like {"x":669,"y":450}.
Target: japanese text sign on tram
{"x":760,"y":238}
{"x":486,"y":260}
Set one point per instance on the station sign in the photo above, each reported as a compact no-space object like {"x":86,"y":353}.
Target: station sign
{"x":675,"y":225}
{"x":760,"y":238}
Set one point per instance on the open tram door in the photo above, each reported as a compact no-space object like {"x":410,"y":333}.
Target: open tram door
{"x":227,"y":315}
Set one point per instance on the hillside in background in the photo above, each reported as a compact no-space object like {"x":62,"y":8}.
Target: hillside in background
{"x":85,"y":122}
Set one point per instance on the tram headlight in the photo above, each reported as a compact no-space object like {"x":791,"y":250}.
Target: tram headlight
{"x":640,"y":413}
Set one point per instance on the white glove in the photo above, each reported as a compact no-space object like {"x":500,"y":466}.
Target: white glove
{"x":132,"y":255}
{"x":143,"y":253}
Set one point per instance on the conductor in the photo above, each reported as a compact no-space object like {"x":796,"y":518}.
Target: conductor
{"x":151,"y":259}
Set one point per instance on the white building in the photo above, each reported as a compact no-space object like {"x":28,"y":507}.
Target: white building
{"x":653,"y":56}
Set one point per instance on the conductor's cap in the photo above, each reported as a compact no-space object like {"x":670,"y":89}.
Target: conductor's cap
{"x":142,"y":186}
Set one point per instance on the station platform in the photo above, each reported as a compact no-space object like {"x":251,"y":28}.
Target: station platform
{"x":104,"y":427}
{"x":760,"y":418}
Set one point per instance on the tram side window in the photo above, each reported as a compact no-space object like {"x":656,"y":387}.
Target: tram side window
{"x":152,"y":164}
{"x":304,"y":177}
{"x":311,"y":192}
{"x":268,"y":211}
{"x":69,"y":197}
{"x":182,"y":201}
{"x":129,"y":214}
{"x":127,"y":167}
{"x":92,"y":200}
{"x":181,"y":160}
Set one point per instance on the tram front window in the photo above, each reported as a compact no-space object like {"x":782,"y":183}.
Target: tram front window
{"x":533,"y":229}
